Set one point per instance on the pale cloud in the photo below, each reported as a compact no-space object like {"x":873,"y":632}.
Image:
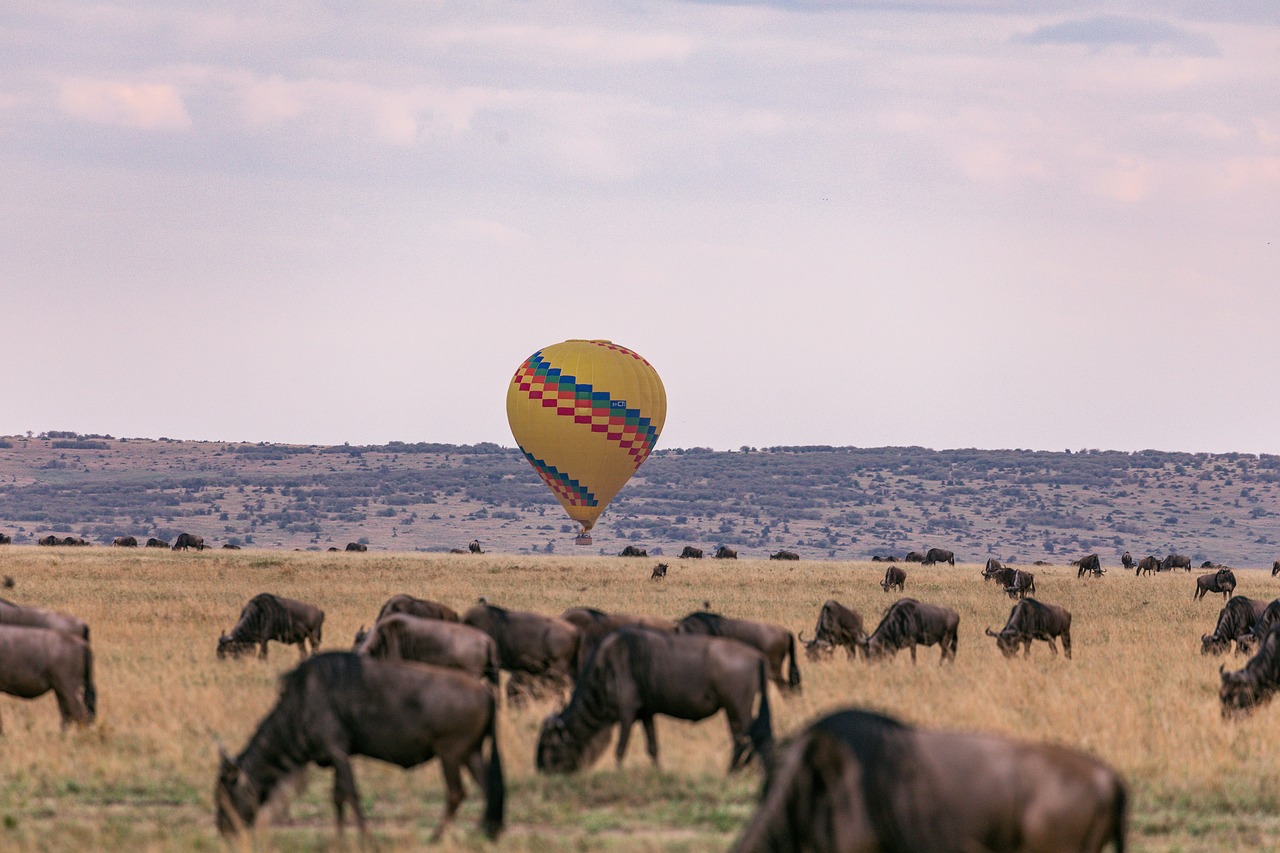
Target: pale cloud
{"x":1144,"y":34}
{"x":491,"y":232}
{"x":145,"y":106}
{"x":567,"y":45}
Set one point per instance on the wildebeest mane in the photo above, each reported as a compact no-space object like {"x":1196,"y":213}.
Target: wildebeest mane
{"x":899,"y":622}
{"x":711,"y":623}
{"x":264,"y":616}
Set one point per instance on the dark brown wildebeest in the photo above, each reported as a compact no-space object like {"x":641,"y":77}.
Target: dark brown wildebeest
{"x":909,"y":623}
{"x":359,"y":547}
{"x":157,"y":543}
{"x":187,"y":540}
{"x":1033,"y":620}
{"x":876,"y":558}
{"x":125,"y":542}
{"x":1235,"y":621}
{"x":784,"y":554}
{"x":837,"y":626}
{"x":1210,"y":564}
{"x":1042,"y":563}
{"x":75,"y":541}
{"x":636,"y":674}
{"x":474,"y":547}
{"x":774,"y":642}
{"x":1275,"y":568}
{"x":270,"y":617}
{"x":659,"y":572}
{"x":1002,"y":576}
{"x":420,"y":607}
{"x":38,"y":617}
{"x":595,"y":625}
{"x":938,"y":555}
{"x":1175,"y":561}
{"x":1147,"y":565}
{"x":1022,"y":584}
{"x":894,"y":576}
{"x":458,"y":551}
{"x":724,"y":552}
{"x":49,"y":540}
{"x":1255,"y":683}
{"x":1089,"y":565}
{"x":913,"y":557}
{"x":229,"y":547}
{"x":34,"y":661}
{"x":332,"y":548}
{"x":1126,"y":560}
{"x":5,"y":539}
{"x":337,"y":705}
{"x":691,"y":552}
{"x":1223,"y":581}
{"x":633,"y":551}
{"x":992,"y":564}
{"x":450,"y":644}
{"x":530,"y":644}
{"x":1269,"y":619}
{"x":858,"y":781}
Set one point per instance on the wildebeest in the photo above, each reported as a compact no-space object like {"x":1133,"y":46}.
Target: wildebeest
{"x":691,"y":552}
{"x":5,"y":539}
{"x":837,"y":626}
{"x":530,"y":644}
{"x":894,"y":576}
{"x":157,"y":543}
{"x":594,"y":625}
{"x":724,"y":552}
{"x":337,"y":705}
{"x":1210,"y":564}
{"x":939,"y":555}
{"x":908,"y":623}
{"x":1223,"y":581}
{"x":1261,"y":627}
{"x":633,"y":551}
{"x":270,"y":617}
{"x":125,"y":542}
{"x":187,"y":540}
{"x":1235,"y":620}
{"x":784,"y":554}
{"x":1022,"y":584}
{"x":1147,"y":565}
{"x":474,"y":547}
{"x":75,"y":541}
{"x":1275,"y":568}
{"x":858,"y":781}
{"x":359,"y":547}
{"x":229,"y":547}
{"x":420,"y":607}
{"x":1089,"y":565}
{"x":1254,"y":683}
{"x":877,"y":558}
{"x":992,"y":565}
{"x":458,"y":551}
{"x":450,"y":644}
{"x":774,"y":642}
{"x":49,"y":540}
{"x":1126,"y":560}
{"x":35,"y":660}
{"x":913,"y":557}
{"x":1175,"y":561}
{"x":1042,"y":563}
{"x":1002,"y":576}
{"x":38,"y":617}
{"x":1034,"y":620}
{"x":659,"y":572}
{"x":636,"y":674}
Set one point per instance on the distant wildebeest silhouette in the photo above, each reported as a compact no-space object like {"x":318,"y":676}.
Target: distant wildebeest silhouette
{"x":659,"y":572}
{"x":1175,"y":561}
{"x":1034,"y":620}
{"x":837,"y":626}
{"x":1147,"y":565}
{"x":1089,"y":565}
{"x":1223,"y":581}
{"x":908,"y":623}
{"x":784,"y":554}
{"x":913,"y":557}
{"x":724,"y":552}
{"x":188,"y":540}
{"x":894,"y":577}
{"x":157,"y":543}
{"x":474,"y":547}
{"x":938,"y":555}
{"x":357,"y":546}
{"x":124,"y":542}
{"x":633,"y":551}
{"x":1126,"y":560}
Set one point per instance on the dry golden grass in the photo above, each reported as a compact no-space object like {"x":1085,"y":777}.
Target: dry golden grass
{"x":1138,"y":694}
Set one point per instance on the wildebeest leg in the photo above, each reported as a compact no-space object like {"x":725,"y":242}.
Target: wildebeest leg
{"x":262,"y":652}
{"x":1066,"y":644}
{"x":344,"y":791}
{"x":651,"y":738}
{"x":302,"y":649}
{"x":1053,"y":647}
{"x":626,"y":721}
{"x":454,"y":793}
{"x":738,"y":734}
{"x":913,"y":652}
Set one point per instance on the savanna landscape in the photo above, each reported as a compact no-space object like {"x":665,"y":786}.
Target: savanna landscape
{"x":1138,"y":694}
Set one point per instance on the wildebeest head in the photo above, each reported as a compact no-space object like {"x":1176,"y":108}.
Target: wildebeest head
{"x":234,"y":796}
{"x":1212,"y":644}
{"x":559,"y":752}
{"x":817,"y":649}
{"x":361,"y":635}
{"x":1006,"y":641}
{"x":1239,"y":692}
{"x":228,"y":647}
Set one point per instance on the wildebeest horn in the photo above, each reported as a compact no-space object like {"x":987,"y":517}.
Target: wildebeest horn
{"x":1221,"y":668}
{"x":991,"y":633}
{"x":800,"y":637}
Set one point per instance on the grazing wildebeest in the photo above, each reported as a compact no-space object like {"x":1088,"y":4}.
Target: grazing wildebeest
{"x":38,"y":617}
{"x":450,"y":644}
{"x":75,"y":541}
{"x":5,"y":539}
{"x":594,"y":625}
{"x":125,"y":542}
{"x":939,"y":555}
{"x":1255,"y":683}
{"x":157,"y":543}
{"x":909,"y":623}
{"x":633,"y":551}
{"x":1002,"y":576}
{"x":34,"y":661}
{"x":187,"y":540}
{"x":270,"y":617}
{"x":1210,"y":564}
{"x":474,"y":547}
{"x":339,"y":704}
{"x":420,"y":607}
{"x":359,"y":547}
{"x":1235,"y":621}
{"x":724,"y":552}
{"x":691,"y":552}
{"x":784,"y":554}
{"x":229,"y":547}
{"x":49,"y":540}
{"x":774,"y":642}
{"x":894,"y":576}
{"x":1175,"y":561}
{"x":1034,"y":620}
{"x":837,"y":626}
{"x":877,"y":558}
{"x":530,"y":644}
{"x":1022,"y":585}
{"x":1126,"y":560}
{"x":458,"y":551}
{"x":1269,"y":619}
{"x":855,"y":782}
{"x":659,"y":572}
{"x":913,"y":557}
{"x":1223,"y":581}
{"x":1042,"y":563}
{"x":1089,"y":565}
{"x":1147,"y":565}
{"x":637,"y":673}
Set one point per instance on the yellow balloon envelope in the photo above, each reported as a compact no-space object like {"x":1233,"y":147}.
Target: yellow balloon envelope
{"x":586,"y":414}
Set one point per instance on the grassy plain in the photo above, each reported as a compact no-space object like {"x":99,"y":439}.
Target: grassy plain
{"x":1137,"y":694}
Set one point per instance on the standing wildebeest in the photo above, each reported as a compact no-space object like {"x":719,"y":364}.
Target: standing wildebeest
{"x":269,"y":617}
{"x":908,"y":623}
{"x":1223,"y":581}
{"x":530,"y":644}
{"x":633,"y":551}
{"x":338,"y":705}
{"x":1033,"y":620}
{"x":1256,"y":681}
{"x":637,"y":673}
{"x":837,"y":626}
{"x":1089,"y":565}
{"x":992,"y":565}
{"x":359,"y":547}
{"x":157,"y":543}
{"x":125,"y":542}
{"x":474,"y":547}
{"x":855,"y":782}
{"x":774,"y":641}
{"x":49,"y":540}
{"x":1175,"y":561}
{"x":1126,"y":560}
{"x":659,"y":572}
{"x":450,"y":644}
{"x":1235,"y":621}
{"x":691,"y":552}
{"x":1022,"y":584}
{"x":595,"y":625}
{"x":5,"y":539}
{"x":1001,"y":575}
{"x":939,"y":555}
{"x":34,"y":661}
{"x":913,"y":557}
{"x":38,"y":617}
{"x":724,"y":552}
{"x":186,"y":540}
{"x":1275,"y":568}
{"x":420,"y":607}
{"x":894,"y":576}
{"x":1147,"y":565}
{"x":784,"y":554}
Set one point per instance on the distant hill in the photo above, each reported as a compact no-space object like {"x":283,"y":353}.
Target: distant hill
{"x":823,"y":502}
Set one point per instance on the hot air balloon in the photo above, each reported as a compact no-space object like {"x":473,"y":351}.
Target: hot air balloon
{"x":586,"y":414}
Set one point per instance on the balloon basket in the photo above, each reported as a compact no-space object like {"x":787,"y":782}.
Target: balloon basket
{"x":582,"y":539}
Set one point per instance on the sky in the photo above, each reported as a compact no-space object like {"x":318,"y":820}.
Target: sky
{"x":994,"y":224}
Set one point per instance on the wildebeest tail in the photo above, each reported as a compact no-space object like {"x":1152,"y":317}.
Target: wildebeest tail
{"x":495,"y":792}
{"x":90,"y":692}
{"x":761,"y":730}
{"x":1120,"y":816}
{"x":793,"y":671}
{"x":315,"y":641}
